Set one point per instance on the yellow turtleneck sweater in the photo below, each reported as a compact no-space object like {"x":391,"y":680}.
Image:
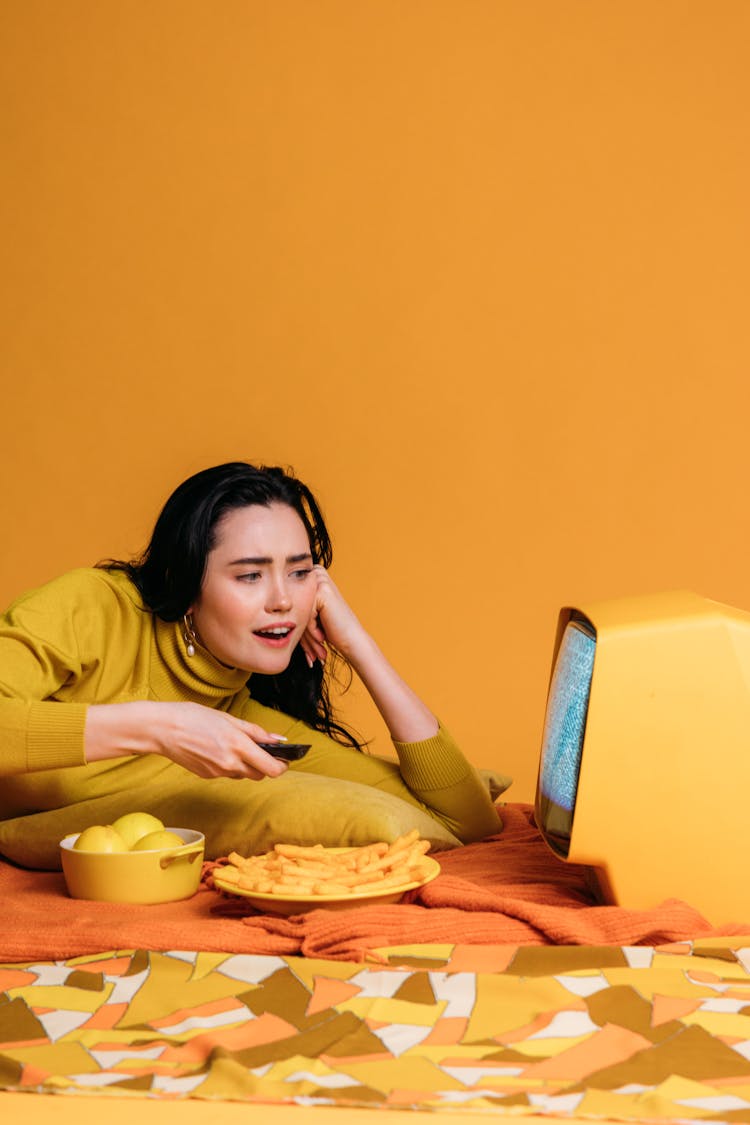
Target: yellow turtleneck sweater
{"x":86,"y":638}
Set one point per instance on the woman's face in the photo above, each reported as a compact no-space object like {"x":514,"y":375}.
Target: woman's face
{"x":259,"y":589}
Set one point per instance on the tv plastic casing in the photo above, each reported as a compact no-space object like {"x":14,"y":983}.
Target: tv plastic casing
{"x":662,"y":804}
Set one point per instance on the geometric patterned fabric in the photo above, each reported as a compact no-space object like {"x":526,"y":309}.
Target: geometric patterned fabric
{"x":635,"y":1033}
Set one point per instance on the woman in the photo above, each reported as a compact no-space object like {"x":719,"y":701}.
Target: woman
{"x":150,"y":684}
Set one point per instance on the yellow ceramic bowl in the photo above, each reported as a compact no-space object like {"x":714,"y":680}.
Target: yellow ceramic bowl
{"x":162,"y":875}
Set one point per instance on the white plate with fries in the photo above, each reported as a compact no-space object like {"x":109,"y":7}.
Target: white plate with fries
{"x":292,"y":879}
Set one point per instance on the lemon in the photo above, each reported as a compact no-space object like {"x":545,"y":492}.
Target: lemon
{"x":133,"y":825}
{"x":157,"y":840}
{"x":100,"y":838}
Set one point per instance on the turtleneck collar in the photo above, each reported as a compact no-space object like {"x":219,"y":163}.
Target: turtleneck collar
{"x":200,"y":675}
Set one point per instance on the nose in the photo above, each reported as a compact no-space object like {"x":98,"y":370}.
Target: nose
{"x":279,"y":599}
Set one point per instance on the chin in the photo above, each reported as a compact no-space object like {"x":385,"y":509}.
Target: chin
{"x":271,"y":666}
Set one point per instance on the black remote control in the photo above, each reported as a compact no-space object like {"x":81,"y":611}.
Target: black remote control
{"x":287,"y":751}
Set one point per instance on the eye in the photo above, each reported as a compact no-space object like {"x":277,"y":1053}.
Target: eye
{"x":251,"y":576}
{"x":302,"y":573}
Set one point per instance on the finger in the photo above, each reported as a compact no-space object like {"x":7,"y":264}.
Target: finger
{"x":256,"y":732}
{"x":315,"y":630}
{"x":307,"y":648}
{"x":314,"y":648}
{"x":257,"y":759}
{"x":237,"y":769}
{"x":315,"y":634}
{"x":248,"y":761}
{"x":326,"y":585}
{"x":308,"y":642}
{"x":251,"y":773}
{"x":241,"y":773}
{"x":323,"y":590}
{"x":316,"y":645}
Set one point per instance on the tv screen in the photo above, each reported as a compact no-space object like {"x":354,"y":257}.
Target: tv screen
{"x":564,"y":730}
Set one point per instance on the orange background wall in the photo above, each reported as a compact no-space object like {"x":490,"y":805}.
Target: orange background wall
{"x":477,"y":269}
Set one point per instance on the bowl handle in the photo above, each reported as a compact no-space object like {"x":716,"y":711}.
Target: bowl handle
{"x":173,"y":857}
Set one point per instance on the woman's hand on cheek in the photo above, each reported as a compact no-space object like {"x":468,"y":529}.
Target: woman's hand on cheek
{"x":332,"y":621}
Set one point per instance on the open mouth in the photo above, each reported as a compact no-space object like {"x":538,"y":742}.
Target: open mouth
{"x":276,"y":635}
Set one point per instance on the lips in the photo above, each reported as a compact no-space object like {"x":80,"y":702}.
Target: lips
{"x":275,"y":635}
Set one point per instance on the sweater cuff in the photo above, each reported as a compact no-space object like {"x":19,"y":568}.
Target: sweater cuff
{"x":434,"y":763}
{"x":54,"y":736}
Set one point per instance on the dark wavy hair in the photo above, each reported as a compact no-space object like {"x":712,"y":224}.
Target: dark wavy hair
{"x":169,"y":573}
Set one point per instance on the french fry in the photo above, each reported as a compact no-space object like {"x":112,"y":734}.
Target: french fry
{"x":382,"y":884}
{"x":294,"y":851}
{"x":332,"y":889}
{"x":229,"y":874}
{"x":404,"y":841}
{"x":239,"y":861}
{"x":259,"y":886}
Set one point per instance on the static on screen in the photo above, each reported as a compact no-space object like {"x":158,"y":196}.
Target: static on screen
{"x":565,"y":720}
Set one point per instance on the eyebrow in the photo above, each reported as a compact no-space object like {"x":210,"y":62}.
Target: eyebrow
{"x":266,"y":561}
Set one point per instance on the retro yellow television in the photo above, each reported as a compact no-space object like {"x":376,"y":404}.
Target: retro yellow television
{"x":644,"y":773}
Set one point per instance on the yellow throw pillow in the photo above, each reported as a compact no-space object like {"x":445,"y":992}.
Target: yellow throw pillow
{"x":244,"y":816}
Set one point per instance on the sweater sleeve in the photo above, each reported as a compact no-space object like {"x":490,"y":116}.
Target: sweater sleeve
{"x":40,"y":735}
{"x":39,"y":658}
{"x":437,"y":772}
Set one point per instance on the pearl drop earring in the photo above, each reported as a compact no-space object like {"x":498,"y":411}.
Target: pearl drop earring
{"x":188,"y":634}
